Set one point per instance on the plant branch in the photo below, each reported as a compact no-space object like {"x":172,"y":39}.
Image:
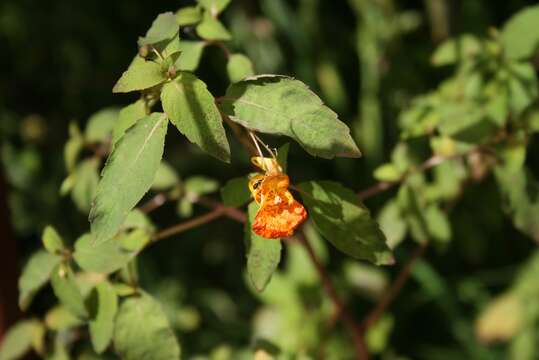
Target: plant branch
{"x":154,"y":203}
{"x":393,"y":290}
{"x":348,"y":321}
{"x":230,"y":212}
{"x":189,"y":224}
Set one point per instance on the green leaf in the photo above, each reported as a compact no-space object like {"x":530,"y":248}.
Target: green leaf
{"x":191,"y":108}
{"x":19,"y":339}
{"x":136,"y":219}
{"x":191,"y":52}
{"x":200,"y":185}
{"x":263,"y":255}
{"x":438,"y":224}
{"x":214,"y":7}
{"x":35,"y":274}
{"x":103,"y":304}
{"x":392,"y":223}
{"x":141,"y":74}
{"x":456,"y":50}
{"x":212,"y":29}
{"x":188,"y":15}
{"x":106,"y":257}
{"x":100,"y":124}
{"x":135,"y":241}
{"x":142,"y":331}
{"x":387,"y":172}
{"x":164,"y":27}
{"x":283,"y":106}
{"x":236,"y":192}
{"x":239,"y":67}
{"x":59,"y":318}
{"x":128,"y":174}
{"x":519,"y":190}
{"x":52,"y":241}
{"x":522,"y":87}
{"x":520,"y":36}
{"x":184,"y":207}
{"x":165,"y":178}
{"x":345,"y":222}
{"x":129,"y":115}
{"x":85,"y":184}
{"x":282,"y":156}
{"x":66,"y":290}
{"x":73,"y":146}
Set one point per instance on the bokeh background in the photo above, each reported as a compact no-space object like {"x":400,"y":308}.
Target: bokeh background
{"x":366,"y":59}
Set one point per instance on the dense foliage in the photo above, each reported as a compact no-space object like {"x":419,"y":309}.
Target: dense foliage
{"x":442,"y":264}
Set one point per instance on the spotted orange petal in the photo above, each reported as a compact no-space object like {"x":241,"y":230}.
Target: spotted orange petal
{"x":279,"y":220}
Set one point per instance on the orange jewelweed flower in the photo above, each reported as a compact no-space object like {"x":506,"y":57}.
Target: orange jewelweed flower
{"x":279,"y":213}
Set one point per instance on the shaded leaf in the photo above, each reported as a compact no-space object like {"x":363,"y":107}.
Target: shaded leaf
{"x":239,"y":67}
{"x":283,"y":106}
{"x":52,"y":241}
{"x":59,"y":318}
{"x":236,"y":192}
{"x":456,"y":50}
{"x":141,"y":74}
{"x":387,"y":172}
{"x":66,"y":290}
{"x":200,"y":185}
{"x":191,"y":108}
{"x":85,"y":184}
{"x":127,"y":118}
{"x":263,"y":255}
{"x":100,"y":124}
{"x":128,"y":174}
{"x":35,"y":274}
{"x":392,"y":223}
{"x":165,"y":178}
{"x":154,"y":340}
{"x":164,"y":27}
{"x":103,"y":304}
{"x":73,"y":146}
{"x":345,"y":222}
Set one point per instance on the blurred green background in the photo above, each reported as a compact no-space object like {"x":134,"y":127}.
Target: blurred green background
{"x":366,"y":59}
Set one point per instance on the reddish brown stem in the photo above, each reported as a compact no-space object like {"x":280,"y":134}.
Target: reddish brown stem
{"x":348,"y":321}
{"x":394,"y":289}
{"x":189,"y":224}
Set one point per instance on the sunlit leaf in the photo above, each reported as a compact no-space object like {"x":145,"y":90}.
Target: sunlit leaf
{"x":19,"y":339}
{"x":212,"y":29}
{"x":520,"y":36}
{"x":128,"y":174}
{"x":141,"y":74}
{"x":52,"y":241}
{"x":142,"y":331}
{"x":283,"y":106}
{"x":239,"y":67}
{"x":59,"y":318}
{"x":128,"y":116}
{"x":191,"y":52}
{"x":164,"y":27}
{"x":263,"y":255}
{"x":191,"y":108}
{"x":214,"y":6}
{"x":105,"y":257}
{"x":188,"y":15}
{"x":200,"y":185}
{"x":456,"y":49}
{"x":345,"y":222}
